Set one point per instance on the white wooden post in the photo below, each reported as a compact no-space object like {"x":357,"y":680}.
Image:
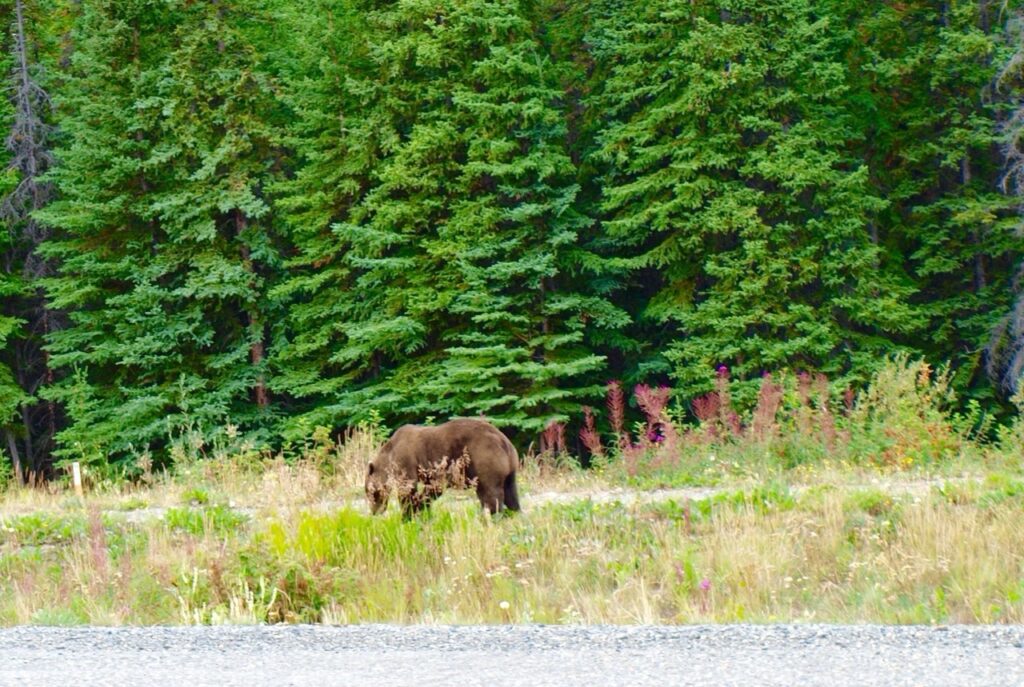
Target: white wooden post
{"x":76,"y":478}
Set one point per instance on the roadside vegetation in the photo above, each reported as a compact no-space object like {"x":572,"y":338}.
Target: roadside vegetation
{"x":881,"y":508}
{"x":828,"y":554}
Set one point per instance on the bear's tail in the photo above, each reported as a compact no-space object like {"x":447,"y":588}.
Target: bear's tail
{"x":511,"y":495}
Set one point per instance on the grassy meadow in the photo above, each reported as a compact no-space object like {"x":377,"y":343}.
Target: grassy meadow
{"x":885,"y":508}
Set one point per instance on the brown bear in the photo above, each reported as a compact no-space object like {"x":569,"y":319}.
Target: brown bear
{"x":419,"y":462}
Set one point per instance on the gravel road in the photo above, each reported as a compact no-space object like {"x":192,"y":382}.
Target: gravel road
{"x":382,"y":655}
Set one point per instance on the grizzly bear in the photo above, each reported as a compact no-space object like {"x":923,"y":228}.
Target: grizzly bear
{"x":419,"y":462}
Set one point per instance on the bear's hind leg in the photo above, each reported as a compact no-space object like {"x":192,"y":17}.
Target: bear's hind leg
{"x":492,"y":497}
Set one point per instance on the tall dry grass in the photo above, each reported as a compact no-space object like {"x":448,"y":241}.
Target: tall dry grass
{"x":763,"y":555}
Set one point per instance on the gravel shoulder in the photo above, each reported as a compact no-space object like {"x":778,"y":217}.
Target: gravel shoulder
{"x":381,"y":655}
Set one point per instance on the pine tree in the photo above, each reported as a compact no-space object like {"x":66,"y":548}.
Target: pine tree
{"x":24,"y":364}
{"x":1005,"y":351}
{"x":166,"y":242}
{"x":732,"y":189}
{"x":321,"y":52}
{"x":925,"y":72}
{"x":448,"y":264}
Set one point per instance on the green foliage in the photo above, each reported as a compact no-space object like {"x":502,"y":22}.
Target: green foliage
{"x":928,"y":110}
{"x":902,"y":418}
{"x":771,"y":498}
{"x":6,"y":475}
{"x":165,"y":243}
{"x":196,"y":496}
{"x":11,"y":393}
{"x":272,"y":217}
{"x":733,"y":179}
{"x":443,"y":260}
{"x":12,"y":396}
{"x":903,"y":421}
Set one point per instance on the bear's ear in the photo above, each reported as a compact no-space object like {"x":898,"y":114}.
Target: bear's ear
{"x":371,"y":468}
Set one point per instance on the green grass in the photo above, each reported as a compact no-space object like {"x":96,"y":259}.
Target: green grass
{"x":807,"y":524}
{"x":35,"y":529}
{"x":763,"y":555}
{"x":215,"y":519}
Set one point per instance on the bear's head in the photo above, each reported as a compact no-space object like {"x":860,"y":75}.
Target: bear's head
{"x":378,"y":487}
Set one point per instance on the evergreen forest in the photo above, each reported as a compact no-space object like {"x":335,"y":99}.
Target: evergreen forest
{"x":243,"y":220}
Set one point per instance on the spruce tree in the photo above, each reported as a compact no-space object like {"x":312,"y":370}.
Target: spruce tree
{"x":1004,"y":360}
{"x":12,"y":396}
{"x":732,"y":189}
{"x":165,"y":242}
{"x":219,"y":152}
{"x":320,"y":53}
{"x":24,"y":362}
{"x":923,"y":76}
{"x":106,"y":232}
{"x":452,"y":245}
{"x":522,"y":357}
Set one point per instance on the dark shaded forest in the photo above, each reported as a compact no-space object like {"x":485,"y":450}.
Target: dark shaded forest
{"x":241,"y":220}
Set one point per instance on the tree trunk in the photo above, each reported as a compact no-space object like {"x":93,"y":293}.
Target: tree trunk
{"x":256,"y":347}
{"x":30,"y":159}
{"x":26,"y":85}
{"x":12,"y":445}
{"x":979,"y":257}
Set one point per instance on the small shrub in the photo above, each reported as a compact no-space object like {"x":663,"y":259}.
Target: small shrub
{"x":195,"y":496}
{"x":6,"y":474}
{"x":873,"y":502}
{"x":1010,"y":437}
{"x":901,"y":421}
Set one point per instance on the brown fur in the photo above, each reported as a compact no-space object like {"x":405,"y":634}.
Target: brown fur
{"x":419,"y":462}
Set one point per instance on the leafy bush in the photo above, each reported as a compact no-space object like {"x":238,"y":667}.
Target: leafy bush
{"x":902,"y":419}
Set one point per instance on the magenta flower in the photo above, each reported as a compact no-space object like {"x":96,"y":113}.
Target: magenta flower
{"x":654,"y":437}
{"x":705,"y":584}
